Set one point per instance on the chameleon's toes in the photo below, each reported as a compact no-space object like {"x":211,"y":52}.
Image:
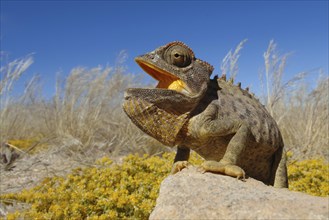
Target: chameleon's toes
{"x":235,"y":171}
{"x":178,"y":166}
{"x":227,"y":169}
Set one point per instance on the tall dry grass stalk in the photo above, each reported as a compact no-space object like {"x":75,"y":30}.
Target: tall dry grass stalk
{"x":16,"y":120}
{"x":229,"y":65}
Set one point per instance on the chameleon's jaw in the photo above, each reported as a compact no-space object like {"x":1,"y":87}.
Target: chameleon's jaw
{"x":156,"y":122}
{"x":166,"y":80}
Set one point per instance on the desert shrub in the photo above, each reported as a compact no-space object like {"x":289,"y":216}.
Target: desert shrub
{"x":309,"y":176}
{"x":105,"y":191}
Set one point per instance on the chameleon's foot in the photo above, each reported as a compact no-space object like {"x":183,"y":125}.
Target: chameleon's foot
{"x":178,"y":166}
{"x":228,"y":169}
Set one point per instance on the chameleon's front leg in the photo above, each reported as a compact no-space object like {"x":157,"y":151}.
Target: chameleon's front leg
{"x":181,"y":158}
{"x":228,"y":164}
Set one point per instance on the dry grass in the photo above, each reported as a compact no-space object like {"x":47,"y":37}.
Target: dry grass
{"x":229,"y":65}
{"x":300,"y":110}
{"x":15,"y":109}
{"x":86,"y":114}
{"x":83,"y":120}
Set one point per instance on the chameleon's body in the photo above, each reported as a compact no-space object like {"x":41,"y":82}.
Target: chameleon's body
{"x":220,"y":121}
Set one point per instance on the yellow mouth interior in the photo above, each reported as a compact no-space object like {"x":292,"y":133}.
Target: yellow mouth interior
{"x":177,"y":85}
{"x":165,"y":79}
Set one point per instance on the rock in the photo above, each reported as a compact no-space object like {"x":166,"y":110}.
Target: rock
{"x":8,"y":154}
{"x":190,"y":194}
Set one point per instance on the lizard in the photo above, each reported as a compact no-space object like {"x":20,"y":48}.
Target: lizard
{"x":222,"y":122}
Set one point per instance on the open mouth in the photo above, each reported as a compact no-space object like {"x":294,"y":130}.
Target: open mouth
{"x":165,"y":79}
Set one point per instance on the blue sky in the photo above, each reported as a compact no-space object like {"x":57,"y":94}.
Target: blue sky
{"x":66,"y":34}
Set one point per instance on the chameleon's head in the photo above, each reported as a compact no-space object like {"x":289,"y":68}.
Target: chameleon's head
{"x":175,"y":67}
{"x":182,"y":82}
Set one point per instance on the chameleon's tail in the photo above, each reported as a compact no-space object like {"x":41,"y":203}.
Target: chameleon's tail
{"x":279,"y":169}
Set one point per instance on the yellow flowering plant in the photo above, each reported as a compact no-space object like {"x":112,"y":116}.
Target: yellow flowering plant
{"x":129,"y":190}
{"x":309,"y":176}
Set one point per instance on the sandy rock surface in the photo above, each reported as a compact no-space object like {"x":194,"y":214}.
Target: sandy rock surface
{"x":190,"y":194}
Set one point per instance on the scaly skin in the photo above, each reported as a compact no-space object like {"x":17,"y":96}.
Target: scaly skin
{"x":220,"y":121}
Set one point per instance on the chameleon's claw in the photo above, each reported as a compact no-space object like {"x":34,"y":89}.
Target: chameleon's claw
{"x":201,"y":169}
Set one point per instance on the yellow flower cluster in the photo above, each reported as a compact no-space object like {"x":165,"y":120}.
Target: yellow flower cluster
{"x":309,"y":176}
{"x":129,"y":190}
{"x":106,"y":191}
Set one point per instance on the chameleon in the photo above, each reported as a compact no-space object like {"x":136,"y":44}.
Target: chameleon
{"x":222,"y":122}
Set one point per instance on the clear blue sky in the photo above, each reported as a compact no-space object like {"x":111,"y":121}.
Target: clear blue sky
{"x":66,"y":34}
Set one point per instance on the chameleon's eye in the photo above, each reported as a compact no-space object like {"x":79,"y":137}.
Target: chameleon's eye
{"x":178,"y":56}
